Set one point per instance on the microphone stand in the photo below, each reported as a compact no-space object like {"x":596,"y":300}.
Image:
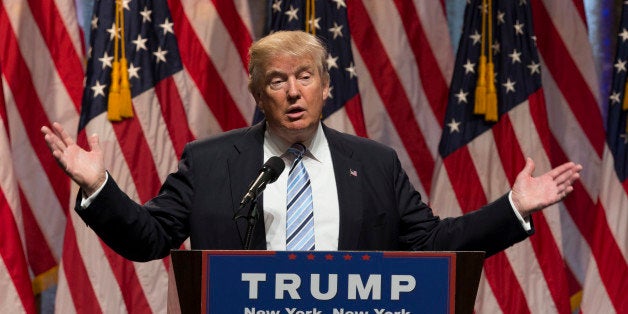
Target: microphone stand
{"x":251,"y":220}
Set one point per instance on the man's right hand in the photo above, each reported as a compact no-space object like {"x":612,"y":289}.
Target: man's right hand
{"x":87,"y":169}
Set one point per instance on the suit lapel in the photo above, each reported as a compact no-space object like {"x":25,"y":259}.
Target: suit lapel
{"x":346,"y":171}
{"x":244,"y":165}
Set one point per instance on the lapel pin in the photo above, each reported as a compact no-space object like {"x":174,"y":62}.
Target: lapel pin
{"x":353,"y":173}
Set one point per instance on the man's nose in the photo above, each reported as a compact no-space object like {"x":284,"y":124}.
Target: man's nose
{"x":293,"y":88}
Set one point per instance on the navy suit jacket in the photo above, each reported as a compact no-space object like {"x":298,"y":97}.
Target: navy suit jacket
{"x":379,"y":208}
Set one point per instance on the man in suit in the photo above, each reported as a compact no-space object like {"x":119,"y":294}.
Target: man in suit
{"x":361,"y":197}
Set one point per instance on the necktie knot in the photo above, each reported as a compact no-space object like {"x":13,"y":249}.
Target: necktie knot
{"x":297,"y":149}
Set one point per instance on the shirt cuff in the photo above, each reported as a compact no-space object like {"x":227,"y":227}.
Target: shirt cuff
{"x":85,"y":202}
{"x":525,"y":223}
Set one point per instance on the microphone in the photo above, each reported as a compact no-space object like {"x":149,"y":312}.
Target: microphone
{"x":268,"y":174}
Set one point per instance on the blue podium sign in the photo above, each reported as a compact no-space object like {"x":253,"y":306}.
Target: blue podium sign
{"x":264,"y":282}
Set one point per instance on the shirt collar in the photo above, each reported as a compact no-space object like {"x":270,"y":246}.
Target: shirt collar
{"x":315,"y":146}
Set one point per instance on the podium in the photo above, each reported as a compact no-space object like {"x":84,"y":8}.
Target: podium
{"x":318,"y":282}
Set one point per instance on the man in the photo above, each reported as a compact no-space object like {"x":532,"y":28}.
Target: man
{"x":360,"y":197}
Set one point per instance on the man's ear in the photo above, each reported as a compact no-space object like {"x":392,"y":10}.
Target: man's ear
{"x":326,"y":91}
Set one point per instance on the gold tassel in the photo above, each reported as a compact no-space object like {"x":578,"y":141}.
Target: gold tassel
{"x":480,"y":88}
{"x":491,"y":94}
{"x":126,"y":104}
{"x":113,"y":104}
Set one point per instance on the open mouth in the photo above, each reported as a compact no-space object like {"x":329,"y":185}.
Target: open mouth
{"x":295,"y":112}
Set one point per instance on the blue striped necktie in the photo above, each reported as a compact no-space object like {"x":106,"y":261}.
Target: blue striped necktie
{"x":300,"y":214}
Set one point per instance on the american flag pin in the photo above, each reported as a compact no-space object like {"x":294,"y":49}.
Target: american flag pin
{"x":353,"y":172}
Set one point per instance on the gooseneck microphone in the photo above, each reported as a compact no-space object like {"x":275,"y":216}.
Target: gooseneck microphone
{"x":268,"y":174}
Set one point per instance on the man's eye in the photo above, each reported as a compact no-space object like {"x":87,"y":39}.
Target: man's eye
{"x":276,"y":83}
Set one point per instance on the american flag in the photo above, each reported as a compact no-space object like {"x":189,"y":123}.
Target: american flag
{"x":187,"y":69}
{"x":42,"y":80}
{"x":403,"y":63}
{"x":328,"y":21}
{"x":554,"y":270}
{"x":611,"y":211}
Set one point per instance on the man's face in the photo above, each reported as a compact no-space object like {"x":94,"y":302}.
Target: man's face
{"x":292,"y":97}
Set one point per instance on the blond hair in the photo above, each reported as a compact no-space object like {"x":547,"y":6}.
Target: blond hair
{"x":295,"y":43}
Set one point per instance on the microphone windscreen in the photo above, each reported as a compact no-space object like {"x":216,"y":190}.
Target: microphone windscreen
{"x":275,"y":165}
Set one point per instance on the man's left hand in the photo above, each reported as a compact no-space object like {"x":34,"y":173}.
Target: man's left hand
{"x":531,"y":194}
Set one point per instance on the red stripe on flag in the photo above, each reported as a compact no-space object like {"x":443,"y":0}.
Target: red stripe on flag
{"x":138,"y":157}
{"x":238,"y":31}
{"x":136,"y":152}
{"x":29,"y":106}
{"x":64,"y":56}
{"x":394,"y":97}
{"x":545,"y":248}
{"x":13,"y":256}
{"x":203,"y":72}
{"x":130,"y":286}
{"x":593,"y":226}
{"x":434,"y":84}
{"x":80,"y":286}
{"x":173,"y":113}
{"x":353,"y":108}
{"x":468,"y":188}
{"x":40,"y":257}
{"x":573,"y":86}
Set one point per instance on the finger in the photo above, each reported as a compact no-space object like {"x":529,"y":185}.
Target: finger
{"x":94,"y":143}
{"x":63,"y":135}
{"x":566,"y":167}
{"x":529,"y":167}
{"x":54,"y":143}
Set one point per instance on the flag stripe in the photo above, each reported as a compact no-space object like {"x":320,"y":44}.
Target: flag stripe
{"x":17,"y":75}
{"x":204,"y":73}
{"x":434,"y":85}
{"x":41,"y":259}
{"x":173,"y":111}
{"x":82,"y":293}
{"x":133,"y":144}
{"x":558,"y":59}
{"x":132,"y":293}
{"x":135,"y":148}
{"x":215,"y":41}
{"x":12,"y":255}
{"x":468,"y":190}
{"x":54,"y":33}
{"x":397,"y":49}
{"x":240,"y":34}
{"x":603,"y":245}
{"x":547,"y":240}
{"x":373,"y":52}
{"x":546,"y":249}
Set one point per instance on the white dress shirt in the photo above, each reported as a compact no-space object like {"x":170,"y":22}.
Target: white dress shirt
{"x":317,"y":161}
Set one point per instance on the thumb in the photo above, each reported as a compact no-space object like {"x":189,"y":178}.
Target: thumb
{"x":94,"y":142}
{"x":529,"y":167}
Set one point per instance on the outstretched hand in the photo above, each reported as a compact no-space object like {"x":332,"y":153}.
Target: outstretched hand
{"x":86,"y":168}
{"x":531,"y":194}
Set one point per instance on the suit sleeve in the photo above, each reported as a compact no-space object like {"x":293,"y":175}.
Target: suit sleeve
{"x":491,"y":228}
{"x":143,"y":232}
